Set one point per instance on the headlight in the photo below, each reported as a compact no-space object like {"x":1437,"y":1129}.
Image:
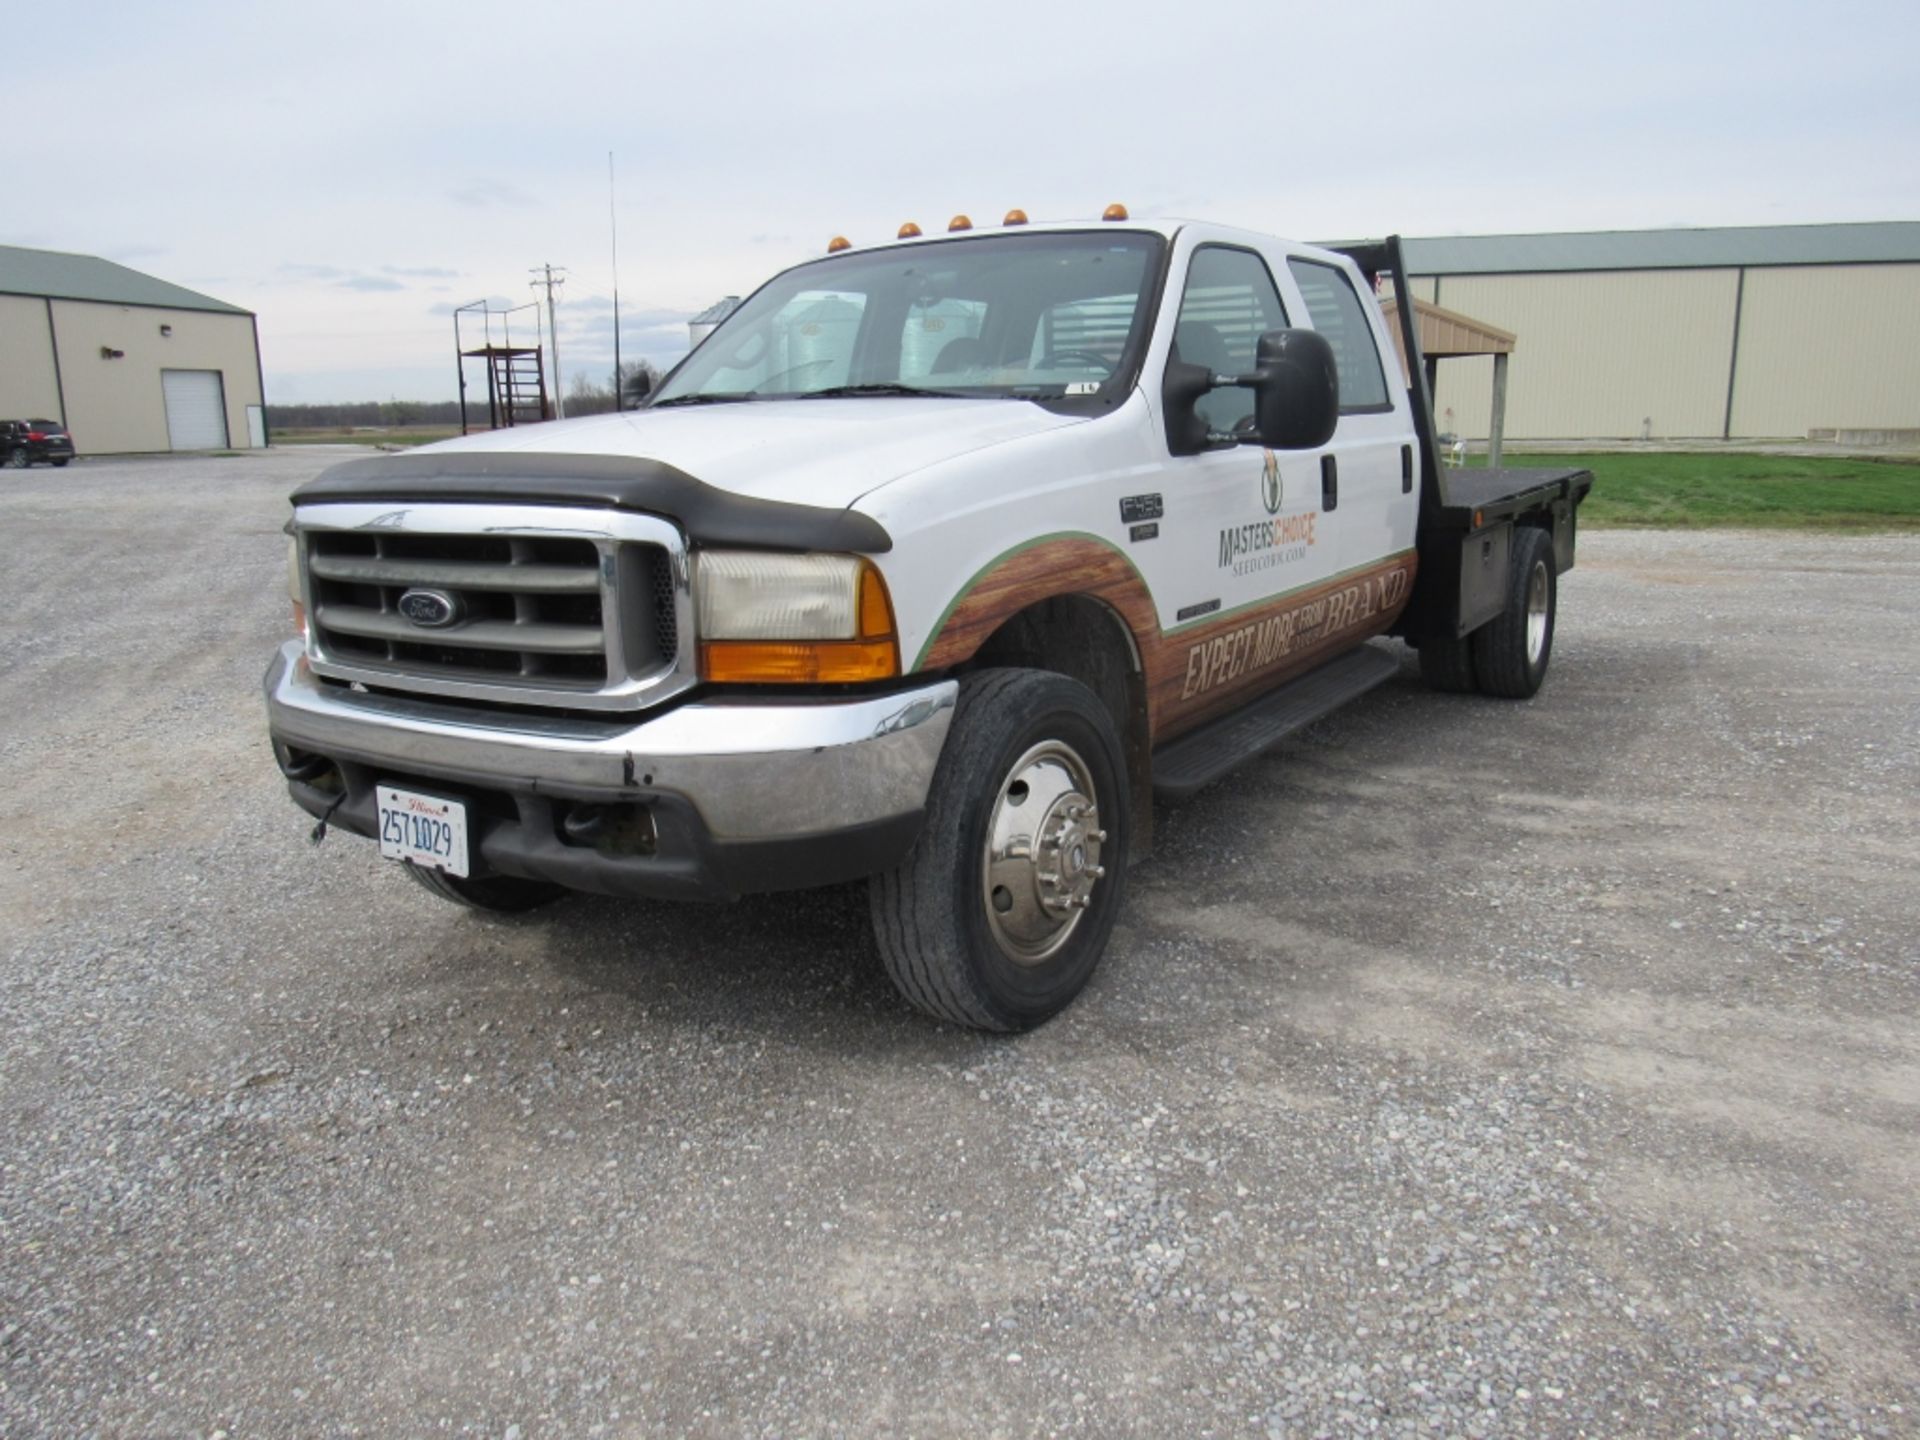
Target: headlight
{"x":792,"y":619}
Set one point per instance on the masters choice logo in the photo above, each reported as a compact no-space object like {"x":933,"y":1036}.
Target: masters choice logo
{"x":1267,"y":543}
{"x":1270,"y":492}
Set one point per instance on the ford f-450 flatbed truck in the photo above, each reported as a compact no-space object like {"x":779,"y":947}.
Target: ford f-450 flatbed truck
{"x":933,"y":566}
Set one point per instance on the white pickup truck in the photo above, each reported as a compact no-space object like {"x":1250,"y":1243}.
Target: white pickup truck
{"x":933,"y":565}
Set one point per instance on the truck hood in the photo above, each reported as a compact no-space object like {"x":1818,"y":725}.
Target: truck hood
{"x":808,"y":452}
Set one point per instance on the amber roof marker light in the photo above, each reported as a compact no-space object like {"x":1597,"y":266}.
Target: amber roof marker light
{"x":1015,"y":217}
{"x":1115,"y":211}
{"x":837,"y":244}
{"x":959,"y":222}
{"x":909,"y":231}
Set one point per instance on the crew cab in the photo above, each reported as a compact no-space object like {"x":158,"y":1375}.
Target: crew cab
{"x":934,"y":565}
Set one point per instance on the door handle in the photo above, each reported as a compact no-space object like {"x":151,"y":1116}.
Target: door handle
{"x":1329,"y":483}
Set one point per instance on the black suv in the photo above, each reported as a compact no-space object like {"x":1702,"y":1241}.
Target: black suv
{"x":24,"y":441}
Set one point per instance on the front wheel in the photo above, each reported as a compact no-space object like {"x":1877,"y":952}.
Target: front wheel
{"x":998,"y":916}
{"x":18,"y":459}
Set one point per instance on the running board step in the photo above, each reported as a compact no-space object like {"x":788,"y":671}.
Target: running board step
{"x":1182,"y":766}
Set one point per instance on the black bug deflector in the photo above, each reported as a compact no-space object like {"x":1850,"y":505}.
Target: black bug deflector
{"x":708,"y":514}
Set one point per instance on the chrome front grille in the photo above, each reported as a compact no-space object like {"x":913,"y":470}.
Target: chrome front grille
{"x":528,"y":608}
{"x":446,"y":599}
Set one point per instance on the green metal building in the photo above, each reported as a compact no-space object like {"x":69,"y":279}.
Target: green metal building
{"x":125,"y":361}
{"x":1773,"y":332}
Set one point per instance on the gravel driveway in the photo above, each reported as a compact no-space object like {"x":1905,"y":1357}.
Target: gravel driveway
{"x":1463,"y":1068}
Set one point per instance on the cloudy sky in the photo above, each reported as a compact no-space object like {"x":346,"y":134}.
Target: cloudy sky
{"x":352,"y":171}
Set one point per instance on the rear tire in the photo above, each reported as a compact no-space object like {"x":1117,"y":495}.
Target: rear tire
{"x":61,"y":463}
{"x":1510,"y":652}
{"x":497,"y":894}
{"x":997,"y":917}
{"x":1448,"y":665}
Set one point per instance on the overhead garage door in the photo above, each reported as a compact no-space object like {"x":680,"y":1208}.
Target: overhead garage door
{"x":196,"y":409}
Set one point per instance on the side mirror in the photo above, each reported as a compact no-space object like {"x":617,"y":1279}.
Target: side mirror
{"x":1296,"y":390}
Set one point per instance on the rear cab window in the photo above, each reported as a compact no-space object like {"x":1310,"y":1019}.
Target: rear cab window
{"x":1338,"y":314}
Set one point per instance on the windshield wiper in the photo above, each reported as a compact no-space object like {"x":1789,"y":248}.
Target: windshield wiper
{"x":704,"y":397}
{"x":886,"y":387}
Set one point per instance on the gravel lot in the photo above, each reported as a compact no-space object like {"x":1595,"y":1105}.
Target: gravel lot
{"x":1463,"y":1068}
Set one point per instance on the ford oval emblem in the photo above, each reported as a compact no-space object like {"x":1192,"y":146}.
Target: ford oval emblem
{"x":430,"y":609}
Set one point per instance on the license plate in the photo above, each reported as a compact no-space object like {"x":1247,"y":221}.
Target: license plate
{"x":423,"y":828}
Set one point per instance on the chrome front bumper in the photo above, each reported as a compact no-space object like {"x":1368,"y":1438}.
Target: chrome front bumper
{"x":753,"y":770}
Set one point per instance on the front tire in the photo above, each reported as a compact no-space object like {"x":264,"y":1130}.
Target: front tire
{"x":997,"y":917}
{"x":496,"y":894}
{"x":1510,"y":652}
{"x":18,"y":459}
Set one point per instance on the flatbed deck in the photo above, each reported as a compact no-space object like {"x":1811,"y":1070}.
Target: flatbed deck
{"x":1496,"y":494}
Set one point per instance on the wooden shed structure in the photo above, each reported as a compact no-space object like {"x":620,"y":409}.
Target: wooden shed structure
{"x":1447,"y":335}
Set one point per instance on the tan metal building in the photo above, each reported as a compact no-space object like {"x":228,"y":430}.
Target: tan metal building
{"x":125,"y":361}
{"x":1753,"y":333}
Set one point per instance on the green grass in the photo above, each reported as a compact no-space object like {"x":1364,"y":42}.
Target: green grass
{"x":367,"y":435}
{"x":1755,"y":491}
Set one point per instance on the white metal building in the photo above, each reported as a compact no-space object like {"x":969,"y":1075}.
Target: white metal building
{"x":1754,"y":333}
{"x":126,"y":362}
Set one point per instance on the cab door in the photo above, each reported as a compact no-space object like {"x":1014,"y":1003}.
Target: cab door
{"x":1244,"y":528}
{"x":1368,"y":468}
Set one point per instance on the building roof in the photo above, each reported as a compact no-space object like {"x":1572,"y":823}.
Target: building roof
{"x":1447,"y":333}
{"x":717,"y":311}
{"x":1882,"y":242}
{"x":62,"y":276}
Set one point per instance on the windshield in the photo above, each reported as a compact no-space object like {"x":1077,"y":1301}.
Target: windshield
{"x":1034,"y":316}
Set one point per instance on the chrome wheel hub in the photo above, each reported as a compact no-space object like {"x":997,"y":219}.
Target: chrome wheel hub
{"x":1537,"y":586}
{"x":1043,"y":852}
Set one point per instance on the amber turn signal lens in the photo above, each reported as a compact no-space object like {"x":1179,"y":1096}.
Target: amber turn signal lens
{"x":299,"y":619}
{"x":798,"y":662}
{"x":876,"y":606}
{"x":1015,"y":217}
{"x":909,"y":231}
{"x":837,"y":244}
{"x":1114,"y":212}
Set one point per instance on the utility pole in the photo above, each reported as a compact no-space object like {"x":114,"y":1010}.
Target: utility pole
{"x":555,"y":275}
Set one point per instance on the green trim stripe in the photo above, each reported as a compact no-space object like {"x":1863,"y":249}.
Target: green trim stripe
{"x":940,"y":623}
{"x":1266,"y":601}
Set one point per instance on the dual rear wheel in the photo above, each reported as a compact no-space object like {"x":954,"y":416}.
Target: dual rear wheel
{"x":1508,"y":655}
